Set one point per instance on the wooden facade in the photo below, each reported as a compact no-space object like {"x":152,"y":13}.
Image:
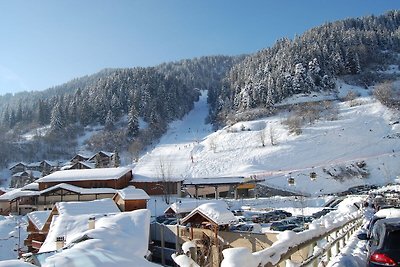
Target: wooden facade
{"x":19,"y":167}
{"x":130,"y":205}
{"x":157,"y":188}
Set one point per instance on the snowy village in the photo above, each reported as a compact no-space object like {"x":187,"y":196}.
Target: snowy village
{"x":281,"y":152}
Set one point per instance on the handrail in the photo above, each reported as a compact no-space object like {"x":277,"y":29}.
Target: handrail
{"x":292,"y":250}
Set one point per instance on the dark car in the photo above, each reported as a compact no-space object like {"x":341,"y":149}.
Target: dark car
{"x":383,"y":244}
{"x":282,"y":226}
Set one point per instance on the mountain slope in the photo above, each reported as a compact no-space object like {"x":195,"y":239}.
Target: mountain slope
{"x":362,"y":133}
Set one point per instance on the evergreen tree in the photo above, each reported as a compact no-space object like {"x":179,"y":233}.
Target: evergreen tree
{"x":56,"y":120}
{"x":133,"y":122}
{"x":110,"y":120}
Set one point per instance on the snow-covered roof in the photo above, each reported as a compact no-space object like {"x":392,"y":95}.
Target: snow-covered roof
{"x":216,"y":212}
{"x":80,"y":190}
{"x":121,"y":239}
{"x":108,"y":154}
{"x":35,"y":174}
{"x":87,"y":174}
{"x":188,"y":205}
{"x":32,"y":190}
{"x":51,"y":163}
{"x":99,"y":206}
{"x":132,"y":193}
{"x":32,"y":186}
{"x":15,"y":193}
{"x":39,"y":218}
{"x":146,"y":179}
{"x":34,"y":164}
{"x":18,"y":163}
{"x":216,"y":180}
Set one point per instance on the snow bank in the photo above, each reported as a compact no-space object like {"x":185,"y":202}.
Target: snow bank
{"x":238,"y":257}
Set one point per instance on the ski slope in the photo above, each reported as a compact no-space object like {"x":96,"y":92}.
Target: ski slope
{"x":363,"y":132}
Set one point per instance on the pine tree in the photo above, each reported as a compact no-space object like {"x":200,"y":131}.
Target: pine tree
{"x":56,"y":119}
{"x":133,"y":122}
{"x":110,"y":120}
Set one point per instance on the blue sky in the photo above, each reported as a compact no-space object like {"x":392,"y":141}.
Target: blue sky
{"x":46,"y":42}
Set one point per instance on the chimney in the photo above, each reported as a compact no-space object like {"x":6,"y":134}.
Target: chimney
{"x":60,"y":242}
{"x":91,"y":223}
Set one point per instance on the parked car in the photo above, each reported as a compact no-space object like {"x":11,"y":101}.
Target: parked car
{"x":282,"y":226}
{"x":383,"y":248}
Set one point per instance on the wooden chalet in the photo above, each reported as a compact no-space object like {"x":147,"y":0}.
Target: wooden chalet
{"x":38,"y":228}
{"x":131,"y":198}
{"x":40,"y":222}
{"x":81,"y":165}
{"x":102,"y":159}
{"x":18,"y":167}
{"x":78,"y":158}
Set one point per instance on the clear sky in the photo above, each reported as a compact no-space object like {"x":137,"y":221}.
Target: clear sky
{"x":47,"y":42}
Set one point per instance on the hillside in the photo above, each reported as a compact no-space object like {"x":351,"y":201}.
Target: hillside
{"x":364,"y":131}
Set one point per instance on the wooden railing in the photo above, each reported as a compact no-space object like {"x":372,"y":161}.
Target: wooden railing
{"x":324,"y":246}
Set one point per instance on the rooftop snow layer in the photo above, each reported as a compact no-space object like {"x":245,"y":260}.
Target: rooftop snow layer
{"x":186,"y":206}
{"x":80,"y":190}
{"x":217,"y":212}
{"x":39,"y":218}
{"x":81,"y":175}
{"x":100,"y":206}
{"x":120,"y":239}
{"x":132,"y":193}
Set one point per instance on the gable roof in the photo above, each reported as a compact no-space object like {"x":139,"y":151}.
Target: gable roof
{"x":132,"y":193}
{"x":18,"y":163}
{"x":39,"y":218}
{"x":85,"y":174}
{"x":99,"y":206}
{"x":79,"y":190}
{"x":186,"y":206}
{"x":105,"y":153}
{"x":217,"y":213}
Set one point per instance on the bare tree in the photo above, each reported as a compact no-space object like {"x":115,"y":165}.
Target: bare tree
{"x":165,"y":172}
{"x":272,"y":136}
{"x":212,"y":143}
{"x":384,"y":92}
{"x":294,"y":123}
{"x":262,"y":137}
{"x":134,"y":150}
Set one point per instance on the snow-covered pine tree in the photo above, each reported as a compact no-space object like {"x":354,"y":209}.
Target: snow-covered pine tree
{"x":133,"y":122}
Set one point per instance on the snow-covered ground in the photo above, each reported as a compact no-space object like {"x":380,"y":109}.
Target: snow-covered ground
{"x":364,"y":131}
{"x":9,"y":236}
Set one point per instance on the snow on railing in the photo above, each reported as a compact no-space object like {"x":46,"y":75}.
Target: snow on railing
{"x":289,"y":242}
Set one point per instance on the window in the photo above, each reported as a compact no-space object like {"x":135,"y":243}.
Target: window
{"x":393,"y":240}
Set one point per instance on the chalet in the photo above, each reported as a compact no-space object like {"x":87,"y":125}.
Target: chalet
{"x":81,"y":165}
{"x":215,"y":215}
{"x":18,"y":167}
{"x":79,"y":157}
{"x":63,"y":192}
{"x":185,"y":206}
{"x":116,"y":178}
{"x":29,"y":198}
{"x":47,"y":167}
{"x":34,"y":166}
{"x":38,"y":227}
{"x":131,"y":198}
{"x":102,"y":159}
{"x":68,"y":210}
{"x":22,"y":178}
